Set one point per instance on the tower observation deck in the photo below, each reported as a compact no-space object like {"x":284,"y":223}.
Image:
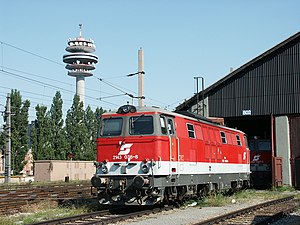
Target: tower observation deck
{"x":80,"y":61}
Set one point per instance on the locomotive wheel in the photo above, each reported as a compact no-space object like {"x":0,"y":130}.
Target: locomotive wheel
{"x":203,"y":191}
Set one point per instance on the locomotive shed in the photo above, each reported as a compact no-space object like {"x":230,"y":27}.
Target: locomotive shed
{"x":262,"y":98}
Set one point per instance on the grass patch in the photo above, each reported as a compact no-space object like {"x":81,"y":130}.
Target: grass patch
{"x":218,"y":199}
{"x":46,"y":210}
{"x":215,"y":200}
{"x":284,"y":188}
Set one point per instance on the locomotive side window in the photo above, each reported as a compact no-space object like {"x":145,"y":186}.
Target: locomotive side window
{"x":191,"y":130}
{"x":163,"y":125}
{"x":141,"y":125}
{"x":223,"y":137}
{"x":111,"y":126}
{"x":170,"y":127}
{"x":238,"y":140}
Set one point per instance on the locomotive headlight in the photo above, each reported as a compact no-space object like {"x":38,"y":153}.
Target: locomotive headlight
{"x":145,"y":168}
{"x":104,"y":166}
{"x":104,"y":169}
{"x":96,"y":181}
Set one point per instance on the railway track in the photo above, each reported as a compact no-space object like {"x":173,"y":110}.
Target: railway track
{"x":107,"y":216}
{"x":11,"y":200}
{"x":261,"y":214}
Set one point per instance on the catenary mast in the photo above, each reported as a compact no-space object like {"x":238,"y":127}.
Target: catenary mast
{"x":80,"y":61}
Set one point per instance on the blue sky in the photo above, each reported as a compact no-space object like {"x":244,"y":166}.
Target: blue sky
{"x":181,"y":40}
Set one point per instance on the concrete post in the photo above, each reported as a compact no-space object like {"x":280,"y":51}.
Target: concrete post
{"x":140,"y":78}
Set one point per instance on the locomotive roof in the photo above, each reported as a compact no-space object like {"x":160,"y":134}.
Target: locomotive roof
{"x":182,"y":114}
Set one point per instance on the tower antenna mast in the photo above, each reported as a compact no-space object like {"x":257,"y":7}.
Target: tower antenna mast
{"x":80,"y":61}
{"x":80,"y":30}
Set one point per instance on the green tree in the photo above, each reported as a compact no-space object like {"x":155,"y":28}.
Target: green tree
{"x":76,"y":130}
{"x":19,"y":130}
{"x":91,"y":125}
{"x":98,"y":113}
{"x":57,"y":129}
{"x":40,"y":135}
{"x":34,"y":139}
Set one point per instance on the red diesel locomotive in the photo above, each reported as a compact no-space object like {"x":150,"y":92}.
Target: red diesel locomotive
{"x":152,"y":156}
{"x":261,"y":163}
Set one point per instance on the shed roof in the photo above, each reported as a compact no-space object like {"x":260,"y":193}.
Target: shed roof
{"x":188,"y":103}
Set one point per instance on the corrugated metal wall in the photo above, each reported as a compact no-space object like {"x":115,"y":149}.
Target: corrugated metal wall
{"x":270,"y":85}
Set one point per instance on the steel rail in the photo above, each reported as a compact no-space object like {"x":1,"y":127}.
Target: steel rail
{"x":70,"y":219}
{"x":223,"y":218}
{"x":12,"y":200}
{"x":103,"y":217}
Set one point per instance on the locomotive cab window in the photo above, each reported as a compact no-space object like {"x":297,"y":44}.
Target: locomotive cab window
{"x":223,"y":137}
{"x":141,"y":125}
{"x":171,"y":127}
{"x":163,"y":125}
{"x":111,"y":126}
{"x":238,"y":140}
{"x":191,"y":130}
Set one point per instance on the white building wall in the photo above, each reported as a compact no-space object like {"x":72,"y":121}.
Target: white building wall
{"x":282,"y":140}
{"x":60,"y":170}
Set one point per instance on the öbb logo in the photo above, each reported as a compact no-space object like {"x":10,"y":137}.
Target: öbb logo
{"x":125,"y":149}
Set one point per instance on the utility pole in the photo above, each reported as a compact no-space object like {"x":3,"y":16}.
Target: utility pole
{"x":141,"y":78}
{"x":8,"y":141}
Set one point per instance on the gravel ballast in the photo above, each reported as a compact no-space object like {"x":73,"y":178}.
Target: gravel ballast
{"x":194,"y":214}
{"x":188,"y":215}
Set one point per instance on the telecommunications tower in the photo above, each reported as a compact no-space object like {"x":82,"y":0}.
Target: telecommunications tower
{"x":80,"y":62}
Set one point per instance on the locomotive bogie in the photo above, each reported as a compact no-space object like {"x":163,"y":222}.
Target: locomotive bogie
{"x":151,"y":156}
{"x":143,"y":191}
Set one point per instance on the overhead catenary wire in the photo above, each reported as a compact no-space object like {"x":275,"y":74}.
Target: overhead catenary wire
{"x":122,"y":89}
{"x":117,"y":88}
{"x":48,"y":85}
{"x":31,"y":53}
{"x":111,"y":96}
{"x":46,"y":78}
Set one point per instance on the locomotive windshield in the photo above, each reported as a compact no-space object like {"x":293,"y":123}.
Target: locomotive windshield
{"x":111,"y":126}
{"x":260,"y":145}
{"x":141,"y":125}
